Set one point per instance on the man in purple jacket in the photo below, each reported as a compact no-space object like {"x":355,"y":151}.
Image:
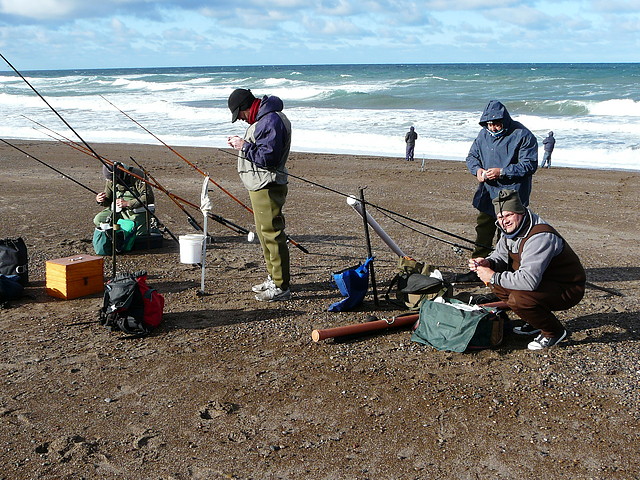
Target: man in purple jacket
{"x":262,"y":155}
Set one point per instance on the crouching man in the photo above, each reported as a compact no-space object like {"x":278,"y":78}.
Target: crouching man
{"x":533,"y":269}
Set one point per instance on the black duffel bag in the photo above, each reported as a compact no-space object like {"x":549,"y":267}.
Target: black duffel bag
{"x":14,"y":259}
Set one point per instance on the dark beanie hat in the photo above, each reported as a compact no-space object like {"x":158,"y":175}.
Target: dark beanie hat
{"x":508,"y":201}
{"x":240,"y":99}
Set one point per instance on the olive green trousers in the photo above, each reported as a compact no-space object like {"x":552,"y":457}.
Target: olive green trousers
{"x":267,"y":206}
{"x":485,"y":233}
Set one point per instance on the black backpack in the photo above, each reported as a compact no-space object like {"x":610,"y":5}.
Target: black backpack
{"x":130,"y":305}
{"x":413,"y":284}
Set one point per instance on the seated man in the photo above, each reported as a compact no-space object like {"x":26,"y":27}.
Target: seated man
{"x":533,"y":269}
{"x":131,"y":194}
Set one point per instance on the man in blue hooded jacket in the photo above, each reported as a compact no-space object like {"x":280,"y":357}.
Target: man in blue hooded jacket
{"x":262,"y":155}
{"x":504,"y":155}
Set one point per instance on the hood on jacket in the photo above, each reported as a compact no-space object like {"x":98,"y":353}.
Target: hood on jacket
{"x":495,"y":110}
{"x":269,"y":104}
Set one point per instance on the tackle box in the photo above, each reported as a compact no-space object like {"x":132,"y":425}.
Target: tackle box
{"x":75,"y":276}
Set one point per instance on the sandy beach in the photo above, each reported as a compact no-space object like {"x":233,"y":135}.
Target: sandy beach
{"x":230,"y":388}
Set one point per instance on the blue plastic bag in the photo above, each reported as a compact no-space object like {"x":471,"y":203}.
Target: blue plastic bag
{"x":353,"y":284}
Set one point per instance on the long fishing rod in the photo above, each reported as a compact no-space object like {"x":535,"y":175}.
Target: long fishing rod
{"x":52,"y":109}
{"x":80,"y":148}
{"x":154,"y":183}
{"x":428,"y":235}
{"x":49,"y":166}
{"x":246,"y":207}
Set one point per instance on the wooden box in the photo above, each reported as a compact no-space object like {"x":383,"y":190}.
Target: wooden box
{"x":74,"y":277}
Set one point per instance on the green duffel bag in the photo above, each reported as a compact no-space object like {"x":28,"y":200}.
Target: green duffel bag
{"x":454,"y":326}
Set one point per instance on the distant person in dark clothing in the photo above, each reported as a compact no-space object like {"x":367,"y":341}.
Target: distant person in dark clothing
{"x":549,"y":143}
{"x":410,"y":138}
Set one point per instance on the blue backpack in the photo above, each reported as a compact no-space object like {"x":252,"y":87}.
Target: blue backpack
{"x":10,"y":287}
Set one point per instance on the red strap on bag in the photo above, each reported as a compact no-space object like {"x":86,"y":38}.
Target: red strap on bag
{"x":153,"y":303}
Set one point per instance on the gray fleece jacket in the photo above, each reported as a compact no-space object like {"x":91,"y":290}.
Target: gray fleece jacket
{"x":538,"y":252}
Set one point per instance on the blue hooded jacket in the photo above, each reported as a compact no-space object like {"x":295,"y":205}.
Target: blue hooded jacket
{"x":515,"y":151}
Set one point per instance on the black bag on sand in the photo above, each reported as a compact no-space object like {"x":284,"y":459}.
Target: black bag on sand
{"x":414,"y":284}
{"x":130,"y":305}
{"x":10,"y":288}
{"x":14,"y":259}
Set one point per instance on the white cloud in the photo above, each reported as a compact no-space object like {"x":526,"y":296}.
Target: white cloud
{"x":38,"y":9}
{"x":45,"y":34}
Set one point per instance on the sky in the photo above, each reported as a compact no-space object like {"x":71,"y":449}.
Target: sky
{"x":79,"y":34}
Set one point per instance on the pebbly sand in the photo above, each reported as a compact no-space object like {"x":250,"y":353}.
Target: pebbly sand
{"x":229,"y":388}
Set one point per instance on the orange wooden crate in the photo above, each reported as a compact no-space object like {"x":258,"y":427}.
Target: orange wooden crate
{"x":73,"y":277}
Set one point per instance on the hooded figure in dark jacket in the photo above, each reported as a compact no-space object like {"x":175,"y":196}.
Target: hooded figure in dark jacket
{"x":410,"y":138}
{"x":549,"y":143}
{"x":504,"y":155}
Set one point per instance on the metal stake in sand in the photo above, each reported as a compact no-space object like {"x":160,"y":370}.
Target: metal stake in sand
{"x":114,"y":218}
{"x":205,"y":208}
{"x":369,"y":253}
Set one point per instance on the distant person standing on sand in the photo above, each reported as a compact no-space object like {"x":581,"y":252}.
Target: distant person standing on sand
{"x":549,"y":143}
{"x":503,"y":155}
{"x":410,"y":139}
{"x":262,"y":155}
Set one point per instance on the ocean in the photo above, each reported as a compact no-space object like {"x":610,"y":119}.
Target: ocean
{"x":593,"y":109}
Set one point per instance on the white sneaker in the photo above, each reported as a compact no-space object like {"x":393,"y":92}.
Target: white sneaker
{"x":268,"y":283}
{"x":541,"y":342}
{"x":273,"y":294}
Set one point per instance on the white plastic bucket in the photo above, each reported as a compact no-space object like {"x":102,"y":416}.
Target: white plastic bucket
{"x":191,"y":248}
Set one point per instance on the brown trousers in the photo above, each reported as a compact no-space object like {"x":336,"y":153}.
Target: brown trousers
{"x":537,"y":307}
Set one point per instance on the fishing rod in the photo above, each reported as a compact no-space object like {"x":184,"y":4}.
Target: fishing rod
{"x":154,"y":183}
{"x":49,"y":166}
{"x":52,"y":109}
{"x":246,"y":207}
{"x":176,"y":199}
{"x":456,"y":246}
